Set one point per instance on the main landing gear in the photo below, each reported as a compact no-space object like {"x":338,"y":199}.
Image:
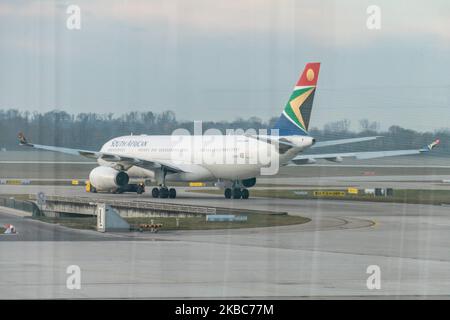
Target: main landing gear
{"x":164,"y":192}
{"x":236,"y":193}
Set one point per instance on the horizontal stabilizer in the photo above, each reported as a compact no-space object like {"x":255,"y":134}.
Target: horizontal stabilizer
{"x":329,"y":143}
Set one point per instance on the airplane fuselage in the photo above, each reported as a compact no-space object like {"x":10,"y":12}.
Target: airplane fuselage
{"x":205,"y":158}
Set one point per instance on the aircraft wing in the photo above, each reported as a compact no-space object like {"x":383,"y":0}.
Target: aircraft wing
{"x":120,"y":160}
{"x":284,"y":144}
{"x":338,"y":157}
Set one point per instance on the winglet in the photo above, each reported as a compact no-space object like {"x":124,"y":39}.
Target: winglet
{"x":22,"y":139}
{"x":431,"y":146}
{"x":434,"y":144}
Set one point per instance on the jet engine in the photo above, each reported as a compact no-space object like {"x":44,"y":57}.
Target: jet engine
{"x":248,"y":183}
{"x":107,"y":178}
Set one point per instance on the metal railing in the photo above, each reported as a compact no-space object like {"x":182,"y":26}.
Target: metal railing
{"x":156,"y":206}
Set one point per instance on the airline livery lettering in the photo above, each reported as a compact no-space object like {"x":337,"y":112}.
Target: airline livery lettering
{"x":128,"y":143}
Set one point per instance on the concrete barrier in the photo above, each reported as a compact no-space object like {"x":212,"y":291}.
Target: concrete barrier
{"x":26,"y":206}
{"x":56,"y":206}
{"x":108,"y":219}
{"x":59,"y":206}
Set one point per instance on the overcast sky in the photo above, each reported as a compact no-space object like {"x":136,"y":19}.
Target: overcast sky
{"x":223,"y":59}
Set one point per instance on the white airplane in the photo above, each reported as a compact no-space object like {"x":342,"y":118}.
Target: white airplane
{"x":233,"y":161}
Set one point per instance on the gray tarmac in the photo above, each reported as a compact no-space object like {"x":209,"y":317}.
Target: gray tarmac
{"x":44,"y":165}
{"x":327,"y":257}
{"x":33,"y":230}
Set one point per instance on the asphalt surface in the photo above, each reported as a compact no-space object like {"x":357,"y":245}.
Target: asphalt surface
{"x":44,"y":165}
{"x":32,"y":230}
{"x":327,"y":257}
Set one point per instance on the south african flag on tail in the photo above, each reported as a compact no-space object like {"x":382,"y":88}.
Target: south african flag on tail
{"x":296,"y":114}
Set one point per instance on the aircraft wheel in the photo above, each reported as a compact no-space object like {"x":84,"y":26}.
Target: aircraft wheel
{"x":164,"y":193}
{"x":93,"y":190}
{"x":245,"y":194}
{"x":140,"y":190}
{"x":237,"y":194}
{"x":227,"y":193}
{"x":155,"y":193}
{"x":172,"y":193}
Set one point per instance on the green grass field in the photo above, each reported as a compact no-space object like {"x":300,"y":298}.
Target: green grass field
{"x":436,"y":197}
{"x":199,"y":223}
{"x":192,"y":223}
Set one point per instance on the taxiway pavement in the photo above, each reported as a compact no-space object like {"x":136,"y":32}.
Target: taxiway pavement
{"x":327,"y":257}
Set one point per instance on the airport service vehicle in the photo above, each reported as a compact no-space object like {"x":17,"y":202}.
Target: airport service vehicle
{"x":139,"y":188}
{"x":232,"y":161}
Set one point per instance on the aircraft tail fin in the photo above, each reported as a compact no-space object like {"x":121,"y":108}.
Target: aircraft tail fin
{"x":296,"y":114}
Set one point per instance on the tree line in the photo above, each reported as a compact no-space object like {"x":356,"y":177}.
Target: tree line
{"x":91,"y":130}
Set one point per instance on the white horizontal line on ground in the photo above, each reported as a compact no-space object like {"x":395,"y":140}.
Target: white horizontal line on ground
{"x":41,"y":179}
{"x":376,"y":166}
{"x":310,"y":165}
{"x":46,"y":162}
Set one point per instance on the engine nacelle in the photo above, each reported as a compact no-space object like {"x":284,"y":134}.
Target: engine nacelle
{"x":248,"y":183}
{"x":107,"y":178}
{"x":335,"y":159}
